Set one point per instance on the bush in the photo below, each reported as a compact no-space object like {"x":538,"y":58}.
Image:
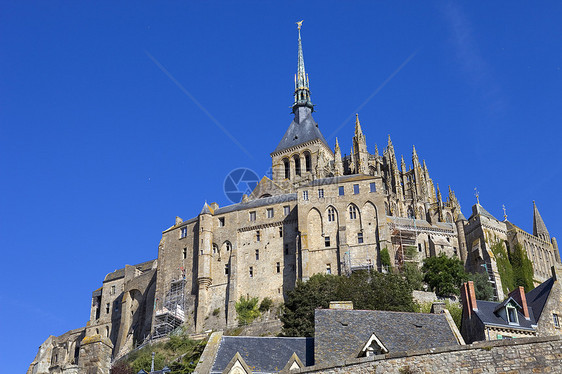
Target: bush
{"x":482,"y":286}
{"x":265,"y":305}
{"x":247,"y":309}
{"x":504,"y":266}
{"x":522,"y":268}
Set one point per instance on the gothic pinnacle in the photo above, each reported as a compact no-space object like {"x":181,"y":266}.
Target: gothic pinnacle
{"x":376,"y":150}
{"x":358,"y":131}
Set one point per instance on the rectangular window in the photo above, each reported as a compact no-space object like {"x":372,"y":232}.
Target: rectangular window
{"x":511,"y":314}
{"x":112,"y":290}
{"x":360,"y":238}
{"x":373,"y":187}
{"x":226,"y":269}
{"x":107,"y":308}
{"x":252,"y":216}
{"x":321,"y":193}
{"x":355,"y":189}
{"x":556,"y":319}
{"x":257,"y":254}
{"x":251,"y":271}
{"x":278,"y":267}
{"x":341,"y":191}
{"x":328,"y":268}
{"x":221,"y":222}
{"x":183,"y":232}
{"x":269,"y":212}
{"x":326,"y":241}
{"x":286,"y":249}
{"x":305,"y":195}
{"x":280,"y":232}
{"x":258,"y":236}
{"x":419,"y":247}
{"x":286,"y":210}
{"x":184,"y":253}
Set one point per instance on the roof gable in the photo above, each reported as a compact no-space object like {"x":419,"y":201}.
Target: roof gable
{"x":237,"y":366}
{"x":537,"y":297}
{"x":304,"y":131}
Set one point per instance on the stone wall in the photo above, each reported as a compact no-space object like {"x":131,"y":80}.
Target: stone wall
{"x":527,"y":355}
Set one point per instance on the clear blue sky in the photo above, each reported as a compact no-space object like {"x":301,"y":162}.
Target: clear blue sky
{"x":100,"y":149}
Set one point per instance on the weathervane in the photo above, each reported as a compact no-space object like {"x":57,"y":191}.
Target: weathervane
{"x":504,"y":213}
{"x":299,"y":24}
{"x":477,"y":194}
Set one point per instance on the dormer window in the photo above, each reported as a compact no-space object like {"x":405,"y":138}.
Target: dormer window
{"x":511,"y":313}
{"x":373,"y":347}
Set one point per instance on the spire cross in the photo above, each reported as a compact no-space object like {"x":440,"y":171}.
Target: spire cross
{"x":299,"y":24}
{"x":477,"y":194}
{"x":504,"y":212}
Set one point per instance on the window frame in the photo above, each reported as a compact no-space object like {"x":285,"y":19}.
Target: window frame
{"x":252,"y":216}
{"x":356,"y":189}
{"x":270,"y":212}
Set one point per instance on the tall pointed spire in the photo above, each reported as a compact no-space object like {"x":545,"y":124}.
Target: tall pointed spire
{"x":358,"y":131}
{"x":539,"y":228}
{"x":302,"y":90}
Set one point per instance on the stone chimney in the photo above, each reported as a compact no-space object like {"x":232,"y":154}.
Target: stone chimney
{"x":468,"y":297}
{"x":438,"y":307}
{"x":518,"y":295}
{"x":341,"y":305}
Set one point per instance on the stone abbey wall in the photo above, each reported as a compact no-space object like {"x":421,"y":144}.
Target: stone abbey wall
{"x":526,"y":355}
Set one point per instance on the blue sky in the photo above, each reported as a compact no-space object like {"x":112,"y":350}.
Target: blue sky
{"x":100,"y":149}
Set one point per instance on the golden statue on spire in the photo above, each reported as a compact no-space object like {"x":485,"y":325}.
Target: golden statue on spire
{"x":299,"y":24}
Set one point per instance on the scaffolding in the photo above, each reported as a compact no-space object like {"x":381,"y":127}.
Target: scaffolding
{"x":404,"y":240}
{"x":172,"y":313}
{"x":349,"y":267}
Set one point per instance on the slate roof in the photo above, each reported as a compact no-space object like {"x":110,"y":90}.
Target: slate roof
{"x":257,"y":203}
{"x":487,"y":315}
{"x":301,"y":132}
{"x":536,"y":298}
{"x":340,"y":334}
{"x":263,"y":354}
{"x":120,"y":273}
{"x":339,"y":179}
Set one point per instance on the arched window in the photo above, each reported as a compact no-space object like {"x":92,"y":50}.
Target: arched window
{"x":307,"y":162}
{"x":215,"y":248}
{"x":287,"y":167}
{"x":228,"y":246}
{"x":352,"y":212}
{"x":449,"y":219}
{"x":297,"y":160}
{"x":331,"y":215}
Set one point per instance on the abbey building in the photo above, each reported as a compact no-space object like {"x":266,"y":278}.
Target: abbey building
{"x":320,"y":212}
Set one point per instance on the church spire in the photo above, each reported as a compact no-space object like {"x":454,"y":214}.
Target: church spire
{"x":302,"y":90}
{"x":539,"y":228}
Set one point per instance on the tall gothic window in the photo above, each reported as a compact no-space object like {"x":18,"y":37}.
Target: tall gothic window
{"x":287,"y":167}
{"x":308,"y":162}
{"x":297,"y":164}
{"x":331,"y":215}
{"x":352,"y":212}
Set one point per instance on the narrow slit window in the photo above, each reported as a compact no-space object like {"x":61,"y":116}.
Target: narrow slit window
{"x":326,"y":241}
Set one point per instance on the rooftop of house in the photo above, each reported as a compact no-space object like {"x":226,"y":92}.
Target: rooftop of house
{"x":342,"y":334}
{"x":263,"y":354}
{"x":120,"y":273}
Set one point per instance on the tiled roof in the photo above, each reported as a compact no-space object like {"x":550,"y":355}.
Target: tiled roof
{"x":257,"y":203}
{"x":340,"y":334}
{"x":486,"y":314}
{"x":263,"y":354}
{"x":537,"y":297}
{"x":300,"y":133}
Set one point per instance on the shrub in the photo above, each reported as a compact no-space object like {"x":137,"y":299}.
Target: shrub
{"x":265,"y":305}
{"x":247,"y":309}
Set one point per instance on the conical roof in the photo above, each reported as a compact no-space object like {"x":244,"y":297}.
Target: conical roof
{"x":539,"y":228}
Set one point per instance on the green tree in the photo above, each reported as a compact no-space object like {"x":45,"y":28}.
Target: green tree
{"x":298,"y":311}
{"x":444,"y":275}
{"x":522,"y":268}
{"x":504,"y":266}
{"x":247,"y":310}
{"x":367,"y":290}
{"x":413,"y":276}
{"x":482,"y":286}
{"x":385,"y":258}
